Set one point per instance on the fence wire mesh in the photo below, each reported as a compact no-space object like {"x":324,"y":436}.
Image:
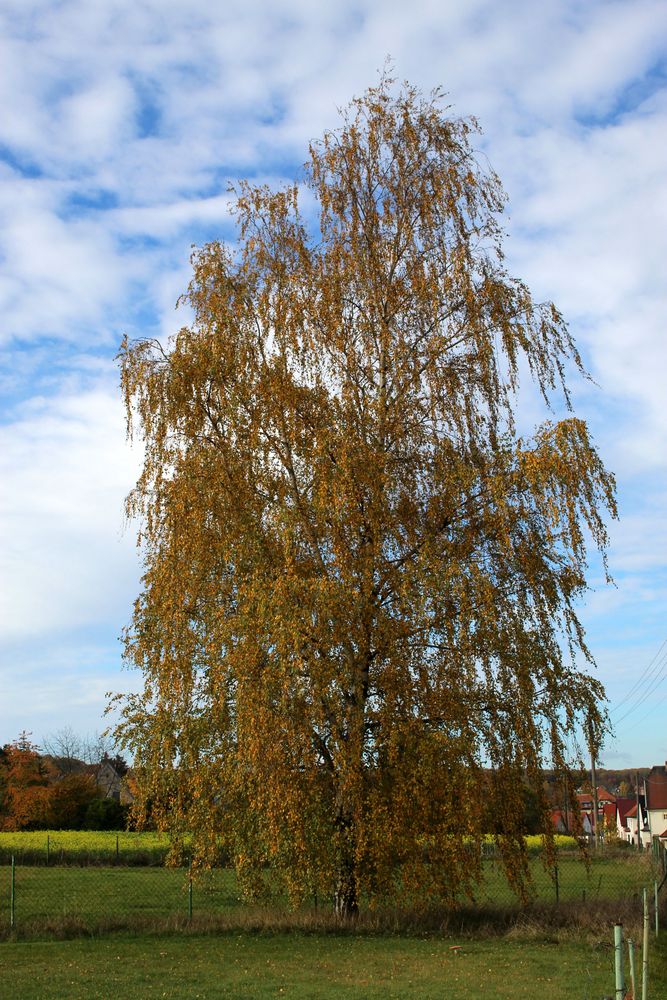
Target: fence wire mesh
{"x":126,"y":888}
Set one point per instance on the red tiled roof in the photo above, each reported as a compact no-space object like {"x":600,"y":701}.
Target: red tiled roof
{"x":609,"y":809}
{"x":603,"y":796}
{"x":623,"y":804}
{"x":656,"y":788}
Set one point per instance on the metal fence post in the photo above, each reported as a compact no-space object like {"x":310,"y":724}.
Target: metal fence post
{"x":645,"y":951}
{"x":631,"y":957}
{"x":12,"y":903}
{"x":618,"y":961}
{"x":655,"y":897}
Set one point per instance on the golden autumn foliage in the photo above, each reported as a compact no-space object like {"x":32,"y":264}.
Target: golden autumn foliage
{"x":359,"y":580}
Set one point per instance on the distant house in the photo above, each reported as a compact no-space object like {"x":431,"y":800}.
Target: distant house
{"x":112,"y":783}
{"x":655,"y":793}
{"x":586,"y":799}
{"x":605,"y":798}
{"x":623,"y":806}
{"x":562,"y":822}
{"x":559,"y":821}
{"x":638,"y":828}
{"x":606,"y":810}
{"x":588,"y":823}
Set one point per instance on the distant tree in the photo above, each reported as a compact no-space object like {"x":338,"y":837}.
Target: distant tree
{"x":66,"y":749}
{"x":533,"y":818}
{"x":359,"y":580}
{"x":3,"y":785}
{"x":26,"y":778}
{"x":69,"y":800}
{"x":97,"y":746}
{"x":610,"y":829}
{"x":118,"y":763}
{"x":105,"y":814}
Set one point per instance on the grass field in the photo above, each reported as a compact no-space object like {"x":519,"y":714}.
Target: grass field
{"x":95,"y":894}
{"x":314,"y":967}
{"x":131,"y":935}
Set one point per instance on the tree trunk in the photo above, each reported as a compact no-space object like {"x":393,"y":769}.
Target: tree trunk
{"x":346,"y":904}
{"x":346,"y":901}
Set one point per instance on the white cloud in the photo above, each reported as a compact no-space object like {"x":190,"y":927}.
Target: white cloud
{"x":591,"y":54}
{"x":94,"y":122}
{"x":65,"y":559}
{"x":172,"y":218}
{"x":60,"y":274}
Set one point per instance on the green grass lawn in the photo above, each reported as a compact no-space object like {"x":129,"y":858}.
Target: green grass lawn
{"x":530,"y":961}
{"x":95,"y":894}
{"x":312,"y":967}
{"x":605,"y":878}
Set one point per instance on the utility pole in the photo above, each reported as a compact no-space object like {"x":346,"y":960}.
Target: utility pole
{"x":595,"y":802}
{"x":594,"y":788}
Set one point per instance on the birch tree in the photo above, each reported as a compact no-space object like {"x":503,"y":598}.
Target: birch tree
{"x":358,"y":624}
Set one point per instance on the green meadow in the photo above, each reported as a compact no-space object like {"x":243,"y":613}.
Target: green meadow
{"x":315,"y":967}
{"x":97,"y":922}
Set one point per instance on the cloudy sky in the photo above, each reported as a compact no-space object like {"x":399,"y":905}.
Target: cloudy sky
{"x":123,"y":123}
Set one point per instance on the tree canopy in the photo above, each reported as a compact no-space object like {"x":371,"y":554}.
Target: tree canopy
{"x":358,"y":624}
{"x":24,"y":778}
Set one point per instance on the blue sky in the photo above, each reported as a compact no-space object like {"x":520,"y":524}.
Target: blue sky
{"x":123,"y":124}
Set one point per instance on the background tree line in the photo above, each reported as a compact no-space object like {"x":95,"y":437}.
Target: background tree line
{"x":58,"y":789}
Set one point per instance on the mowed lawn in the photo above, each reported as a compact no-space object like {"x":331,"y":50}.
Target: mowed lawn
{"x":237,"y":963}
{"x":311,"y":967}
{"x":95,"y":894}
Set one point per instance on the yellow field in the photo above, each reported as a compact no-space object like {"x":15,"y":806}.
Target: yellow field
{"x":84,"y":845}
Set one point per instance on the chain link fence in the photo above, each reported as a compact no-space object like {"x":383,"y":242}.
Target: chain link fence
{"x":608,"y":873}
{"x":55,"y":892}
